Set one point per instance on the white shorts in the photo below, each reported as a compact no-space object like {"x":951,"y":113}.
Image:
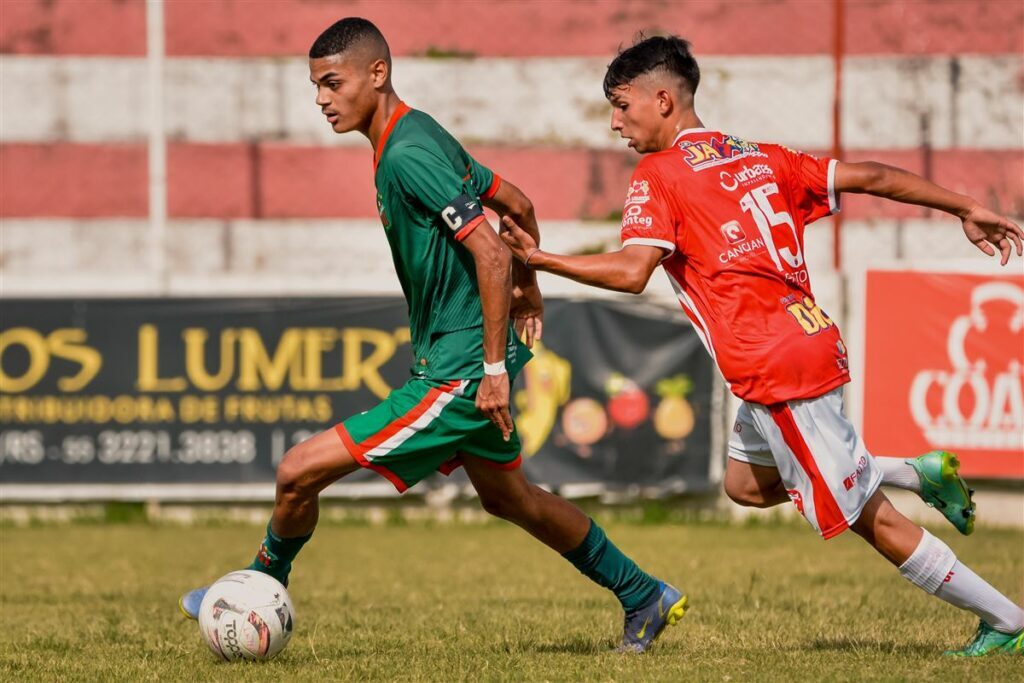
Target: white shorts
{"x":820,"y":457}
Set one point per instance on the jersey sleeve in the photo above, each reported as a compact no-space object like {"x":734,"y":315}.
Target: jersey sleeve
{"x":813,"y":185}
{"x":426,"y":178}
{"x":647,"y":216}
{"x":485,"y":182}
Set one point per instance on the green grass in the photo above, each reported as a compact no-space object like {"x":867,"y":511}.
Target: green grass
{"x":93,"y":602}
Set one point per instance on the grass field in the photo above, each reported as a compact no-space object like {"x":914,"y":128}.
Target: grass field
{"x":91,"y":602}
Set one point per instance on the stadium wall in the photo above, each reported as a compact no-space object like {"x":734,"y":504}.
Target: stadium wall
{"x":264,"y":199}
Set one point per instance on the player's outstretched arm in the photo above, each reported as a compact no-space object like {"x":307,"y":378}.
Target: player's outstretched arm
{"x":984,"y":228}
{"x":626,"y":270}
{"x":493,"y":274}
{"x":527,"y":308}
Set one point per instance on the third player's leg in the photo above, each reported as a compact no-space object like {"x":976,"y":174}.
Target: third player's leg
{"x":506,"y":493}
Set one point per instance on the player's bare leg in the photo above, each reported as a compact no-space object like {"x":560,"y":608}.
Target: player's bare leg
{"x":306,"y":470}
{"x":752,"y":485}
{"x":650,"y":605}
{"x":930,"y":564}
{"x":888,"y":531}
{"x":507,"y":494}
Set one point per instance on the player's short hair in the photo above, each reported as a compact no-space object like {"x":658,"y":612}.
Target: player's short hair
{"x":347,"y":33}
{"x":668,"y":53}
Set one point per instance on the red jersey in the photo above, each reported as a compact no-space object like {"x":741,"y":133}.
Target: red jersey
{"x":731,"y":215}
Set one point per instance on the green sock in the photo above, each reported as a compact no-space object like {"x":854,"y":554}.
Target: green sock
{"x":276,"y":554}
{"x":604,"y":564}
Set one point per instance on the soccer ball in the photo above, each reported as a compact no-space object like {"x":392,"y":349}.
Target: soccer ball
{"x":246,"y":615}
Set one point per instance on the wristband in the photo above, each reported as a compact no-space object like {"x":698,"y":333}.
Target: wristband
{"x":494,"y":368}
{"x":533,"y":253}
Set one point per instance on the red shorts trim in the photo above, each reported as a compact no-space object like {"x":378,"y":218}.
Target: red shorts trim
{"x":830,"y":518}
{"x":402,"y":422}
{"x":360,"y":458}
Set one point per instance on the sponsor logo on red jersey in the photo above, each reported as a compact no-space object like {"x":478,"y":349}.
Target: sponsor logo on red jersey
{"x":748,"y":175}
{"x":701,"y":154}
{"x":733,"y":232}
{"x":639,"y":192}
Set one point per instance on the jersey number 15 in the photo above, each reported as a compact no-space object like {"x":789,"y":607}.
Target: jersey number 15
{"x":757,"y":203}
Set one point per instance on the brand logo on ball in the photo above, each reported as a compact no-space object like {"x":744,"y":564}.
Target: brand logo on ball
{"x":231,"y":639}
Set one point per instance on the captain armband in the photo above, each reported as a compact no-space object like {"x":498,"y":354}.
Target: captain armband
{"x":462,"y":215}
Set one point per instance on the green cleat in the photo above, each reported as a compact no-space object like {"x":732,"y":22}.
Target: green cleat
{"x":988,"y":641}
{"x":944,"y":489}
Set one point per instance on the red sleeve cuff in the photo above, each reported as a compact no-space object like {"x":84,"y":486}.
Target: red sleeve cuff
{"x":493,"y":189}
{"x":468,"y":228}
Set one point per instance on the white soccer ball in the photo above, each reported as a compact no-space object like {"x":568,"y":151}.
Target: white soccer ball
{"x":246,"y":615}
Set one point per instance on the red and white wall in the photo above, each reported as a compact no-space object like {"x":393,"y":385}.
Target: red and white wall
{"x":262,"y":196}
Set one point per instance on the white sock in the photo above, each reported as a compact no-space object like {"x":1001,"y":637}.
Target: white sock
{"x":934,"y":568}
{"x":966,"y":590}
{"x":897,"y":473}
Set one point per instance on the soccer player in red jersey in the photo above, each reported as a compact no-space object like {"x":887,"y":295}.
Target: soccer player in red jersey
{"x":725,"y":219}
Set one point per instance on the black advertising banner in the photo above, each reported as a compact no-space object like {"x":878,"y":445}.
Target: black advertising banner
{"x":173,"y":391}
{"x":617,"y":394}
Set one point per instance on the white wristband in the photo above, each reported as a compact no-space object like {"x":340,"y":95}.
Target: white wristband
{"x":494,"y":368}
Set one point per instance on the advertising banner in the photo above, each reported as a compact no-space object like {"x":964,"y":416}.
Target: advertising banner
{"x":168,"y":391}
{"x":944,"y":354}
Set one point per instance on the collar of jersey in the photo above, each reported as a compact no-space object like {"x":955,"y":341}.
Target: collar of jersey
{"x":688,"y":131}
{"x":401,"y":110}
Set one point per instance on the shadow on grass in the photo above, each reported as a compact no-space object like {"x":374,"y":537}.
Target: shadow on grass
{"x":868,"y":645}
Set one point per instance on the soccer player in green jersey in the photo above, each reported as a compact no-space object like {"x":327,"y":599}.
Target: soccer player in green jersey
{"x":457,"y":276}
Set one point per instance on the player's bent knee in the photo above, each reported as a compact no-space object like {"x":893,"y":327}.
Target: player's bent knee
{"x":294,"y":478}
{"x":514,"y":506}
{"x":745,"y":495}
{"x":493,"y":505}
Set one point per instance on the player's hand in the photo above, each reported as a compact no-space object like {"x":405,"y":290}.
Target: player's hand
{"x":985,"y":228}
{"x":492,"y":401}
{"x":517,"y":239}
{"x":527,"y":312}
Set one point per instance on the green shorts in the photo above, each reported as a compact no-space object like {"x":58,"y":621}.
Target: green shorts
{"x":421,"y":427}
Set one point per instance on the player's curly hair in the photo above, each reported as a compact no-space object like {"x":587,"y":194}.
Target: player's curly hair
{"x":670,"y":53}
{"x":347,"y":33}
